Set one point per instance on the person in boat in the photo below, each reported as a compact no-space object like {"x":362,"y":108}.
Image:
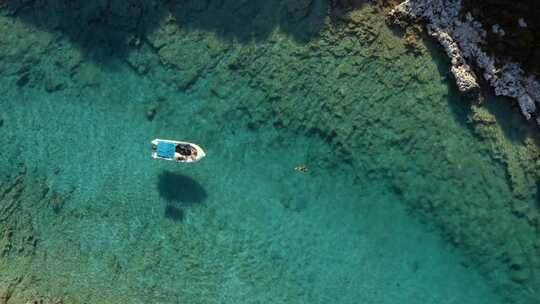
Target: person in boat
{"x":185,"y":151}
{"x":193,"y":153}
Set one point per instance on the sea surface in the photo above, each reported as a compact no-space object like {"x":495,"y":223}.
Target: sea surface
{"x":412,"y":193}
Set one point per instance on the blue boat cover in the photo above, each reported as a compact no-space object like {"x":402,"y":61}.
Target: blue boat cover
{"x":165,"y":149}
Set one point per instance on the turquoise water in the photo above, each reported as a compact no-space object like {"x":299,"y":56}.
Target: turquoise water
{"x":402,"y":202}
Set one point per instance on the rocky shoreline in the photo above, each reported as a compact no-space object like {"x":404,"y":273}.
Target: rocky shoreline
{"x":463,"y":38}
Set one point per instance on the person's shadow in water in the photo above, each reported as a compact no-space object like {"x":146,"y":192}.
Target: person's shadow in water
{"x":181,"y":192}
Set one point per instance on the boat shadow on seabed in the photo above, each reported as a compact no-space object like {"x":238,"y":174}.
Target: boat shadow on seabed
{"x":180,"y":192}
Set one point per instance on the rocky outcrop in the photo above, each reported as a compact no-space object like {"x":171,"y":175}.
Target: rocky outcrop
{"x":439,"y":16}
{"x":462,"y":38}
{"x":513,"y":30}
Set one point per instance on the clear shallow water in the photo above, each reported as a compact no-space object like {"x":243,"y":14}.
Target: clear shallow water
{"x":384,"y":136}
{"x":240,"y":227}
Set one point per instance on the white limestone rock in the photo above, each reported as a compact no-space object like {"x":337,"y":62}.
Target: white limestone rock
{"x":461,"y":39}
{"x":522,"y":23}
{"x":440,"y":17}
{"x":527,"y":106}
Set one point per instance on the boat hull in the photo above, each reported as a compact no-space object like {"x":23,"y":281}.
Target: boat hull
{"x":178,"y":157}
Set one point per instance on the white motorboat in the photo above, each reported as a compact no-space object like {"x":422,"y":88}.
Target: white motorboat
{"x":179,"y":151}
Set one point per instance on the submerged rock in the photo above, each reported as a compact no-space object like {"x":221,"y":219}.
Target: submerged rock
{"x":53,"y":84}
{"x":23,"y":80}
